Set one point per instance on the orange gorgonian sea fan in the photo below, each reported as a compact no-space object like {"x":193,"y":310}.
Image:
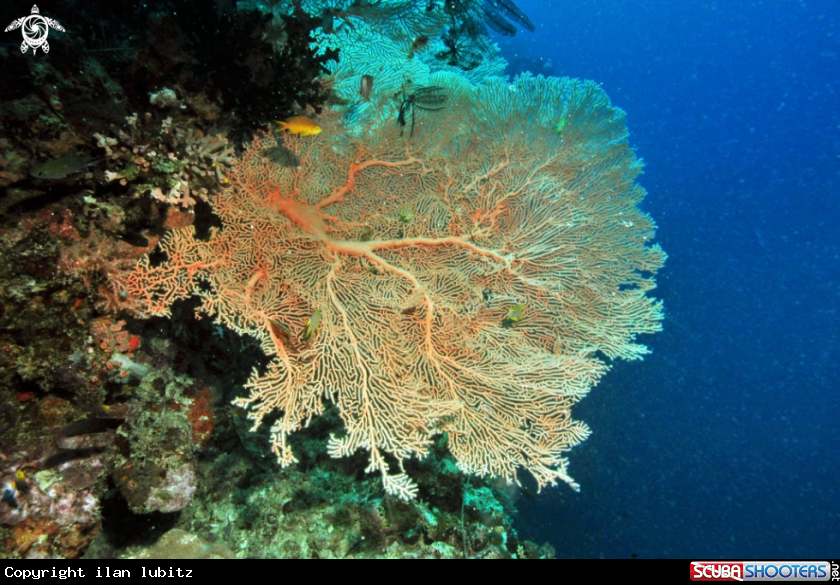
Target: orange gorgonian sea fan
{"x":515,"y":199}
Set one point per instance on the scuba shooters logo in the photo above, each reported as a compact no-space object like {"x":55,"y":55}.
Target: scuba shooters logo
{"x":760,"y":571}
{"x":35,"y":29}
{"x":717,"y":571}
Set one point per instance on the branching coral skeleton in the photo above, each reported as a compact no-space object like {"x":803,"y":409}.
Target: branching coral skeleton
{"x":413,"y":340}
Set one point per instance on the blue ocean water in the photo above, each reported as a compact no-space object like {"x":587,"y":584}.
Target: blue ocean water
{"x":724,"y":442}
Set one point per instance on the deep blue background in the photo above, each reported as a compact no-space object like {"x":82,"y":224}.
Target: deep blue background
{"x":725,"y":442}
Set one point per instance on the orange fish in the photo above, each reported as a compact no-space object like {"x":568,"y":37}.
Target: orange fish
{"x":300,"y":125}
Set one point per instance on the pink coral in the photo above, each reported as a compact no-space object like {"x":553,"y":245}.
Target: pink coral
{"x":412,"y":251}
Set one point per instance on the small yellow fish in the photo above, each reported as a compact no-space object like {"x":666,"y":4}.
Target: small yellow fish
{"x":312,"y":324}
{"x":21,"y":482}
{"x":406,"y":214}
{"x":299,"y":125}
{"x":515,"y":313}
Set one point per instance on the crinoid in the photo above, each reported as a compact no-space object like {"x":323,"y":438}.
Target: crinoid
{"x":497,"y":14}
{"x":466,"y":38}
{"x":461,"y":51}
{"x":430,"y":99}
